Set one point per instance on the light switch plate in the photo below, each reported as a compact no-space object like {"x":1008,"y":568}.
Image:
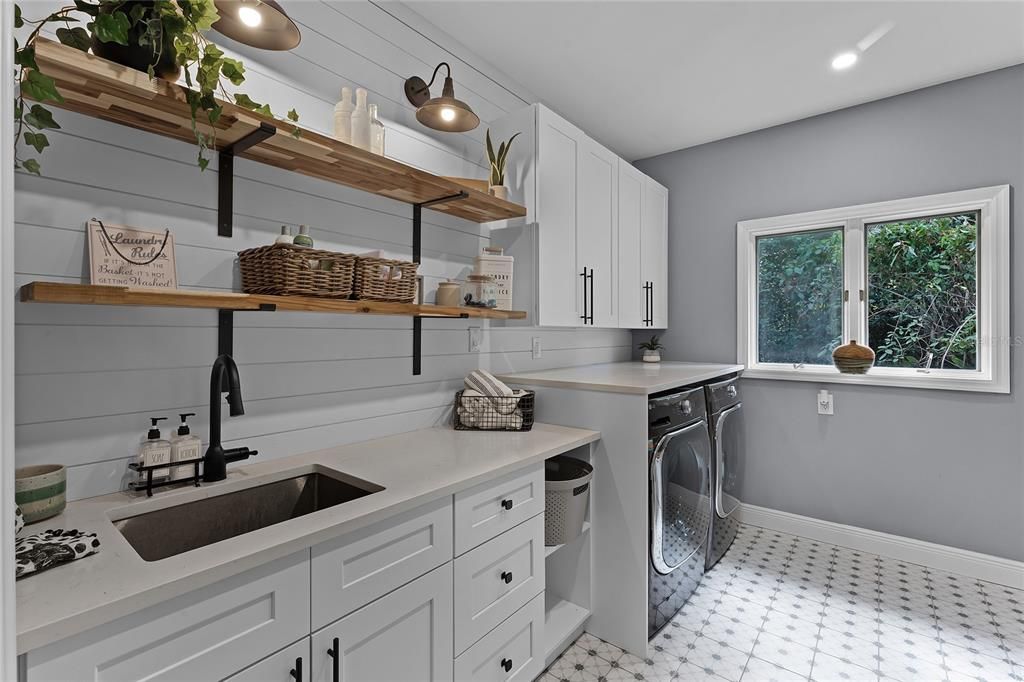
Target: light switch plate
{"x":535,"y":347}
{"x":475,"y":339}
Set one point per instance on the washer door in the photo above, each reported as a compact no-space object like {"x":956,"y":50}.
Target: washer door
{"x":680,"y":496}
{"x":729,"y":455}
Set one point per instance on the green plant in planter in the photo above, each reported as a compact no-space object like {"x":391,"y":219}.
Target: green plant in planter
{"x":161,"y":37}
{"x":652,"y":345}
{"x":498,"y":159}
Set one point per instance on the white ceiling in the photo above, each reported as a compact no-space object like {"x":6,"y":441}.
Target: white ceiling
{"x":649,"y":77}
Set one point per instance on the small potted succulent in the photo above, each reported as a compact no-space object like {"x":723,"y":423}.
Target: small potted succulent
{"x":497,"y":161}
{"x":652,"y":349}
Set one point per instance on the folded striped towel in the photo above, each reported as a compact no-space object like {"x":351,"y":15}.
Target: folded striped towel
{"x":484,"y":382}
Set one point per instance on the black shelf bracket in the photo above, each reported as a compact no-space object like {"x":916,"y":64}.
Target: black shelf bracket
{"x":226,"y":175}
{"x":417,"y":242}
{"x":226,"y":327}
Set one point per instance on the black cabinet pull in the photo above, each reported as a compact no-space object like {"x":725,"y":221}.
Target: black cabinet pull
{"x":506,"y":576}
{"x":506,"y":504}
{"x":591,"y":295}
{"x":584,"y":276}
{"x":334,"y":653}
{"x":506,"y":664}
{"x":647,"y":303}
{"x":296,"y":672}
{"x":650,"y":294}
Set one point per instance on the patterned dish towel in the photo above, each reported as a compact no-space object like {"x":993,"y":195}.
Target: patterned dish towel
{"x":37,"y":553}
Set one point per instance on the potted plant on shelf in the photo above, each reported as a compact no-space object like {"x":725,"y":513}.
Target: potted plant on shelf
{"x":497,"y":161}
{"x":161,"y":37}
{"x":652,"y":349}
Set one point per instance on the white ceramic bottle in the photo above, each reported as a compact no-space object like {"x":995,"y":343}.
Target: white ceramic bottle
{"x":285,"y":237}
{"x":185,"y":446}
{"x":343,"y":116}
{"x":155,"y":450}
{"x":376,"y":132}
{"x":361,"y":121}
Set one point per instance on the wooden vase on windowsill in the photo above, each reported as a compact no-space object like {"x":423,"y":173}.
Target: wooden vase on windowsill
{"x":853,"y":358}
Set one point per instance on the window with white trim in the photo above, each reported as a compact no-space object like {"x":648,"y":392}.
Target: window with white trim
{"x":923,"y":281}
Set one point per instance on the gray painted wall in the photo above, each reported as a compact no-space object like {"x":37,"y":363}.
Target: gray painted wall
{"x":939,"y":466}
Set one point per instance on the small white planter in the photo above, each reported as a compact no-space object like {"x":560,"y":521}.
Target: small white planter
{"x":652,"y":356}
{"x":500,"y":191}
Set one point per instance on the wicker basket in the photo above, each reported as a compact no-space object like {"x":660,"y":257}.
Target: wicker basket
{"x":380,"y":279}
{"x":493,"y":413}
{"x":289,"y":270}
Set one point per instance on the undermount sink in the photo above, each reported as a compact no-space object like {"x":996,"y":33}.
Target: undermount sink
{"x":173,"y":530}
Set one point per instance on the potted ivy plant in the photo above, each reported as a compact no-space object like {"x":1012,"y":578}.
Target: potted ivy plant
{"x":497,"y":160}
{"x":652,"y":349}
{"x":164,"y":38}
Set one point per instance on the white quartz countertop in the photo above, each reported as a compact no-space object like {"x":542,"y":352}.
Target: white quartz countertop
{"x":642,"y":378}
{"x":414,"y":468}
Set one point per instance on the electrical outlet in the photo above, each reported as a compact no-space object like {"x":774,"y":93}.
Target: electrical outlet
{"x":475,"y":339}
{"x":825,"y":403}
{"x":535,"y":348}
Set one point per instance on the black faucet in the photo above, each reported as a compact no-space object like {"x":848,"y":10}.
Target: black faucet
{"x":224,"y":378}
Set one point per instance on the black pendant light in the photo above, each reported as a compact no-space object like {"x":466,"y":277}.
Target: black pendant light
{"x":440,"y":113}
{"x":258,"y":23}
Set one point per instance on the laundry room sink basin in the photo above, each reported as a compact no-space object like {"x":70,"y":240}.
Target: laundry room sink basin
{"x":181,"y":528}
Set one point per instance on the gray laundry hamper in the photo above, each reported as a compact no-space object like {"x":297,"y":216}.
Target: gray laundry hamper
{"x":566,"y":493}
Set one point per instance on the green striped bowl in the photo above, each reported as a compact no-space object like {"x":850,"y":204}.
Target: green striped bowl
{"x":40,"y":490}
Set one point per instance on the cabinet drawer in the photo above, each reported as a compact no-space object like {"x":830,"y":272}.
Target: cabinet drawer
{"x":491,"y":508}
{"x":358,"y":567}
{"x":496,"y":579}
{"x":405,"y":636}
{"x":286,"y":665}
{"x":516,"y":644}
{"x":208,"y":634}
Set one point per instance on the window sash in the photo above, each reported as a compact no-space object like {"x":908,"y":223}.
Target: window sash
{"x":993,"y":340}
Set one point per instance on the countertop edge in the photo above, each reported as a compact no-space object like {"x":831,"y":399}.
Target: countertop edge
{"x":127,"y":604}
{"x":525,"y":379}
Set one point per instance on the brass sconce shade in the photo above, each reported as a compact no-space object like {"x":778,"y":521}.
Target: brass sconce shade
{"x":443,"y":113}
{"x":257,"y":23}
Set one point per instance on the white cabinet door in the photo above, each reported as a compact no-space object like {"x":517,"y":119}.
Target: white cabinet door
{"x":597,"y":235}
{"x":632,"y":289}
{"x":654,"y":251}
{"x":511,"y":652}
{"x":558,"y":151}
{"x":405,"y":636}
{"x":290,"y":664}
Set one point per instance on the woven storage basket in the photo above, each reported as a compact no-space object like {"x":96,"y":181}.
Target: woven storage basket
{"x":380,"y":279}
{"x":288,"y":270}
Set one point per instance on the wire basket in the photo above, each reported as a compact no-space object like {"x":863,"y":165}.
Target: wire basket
{"x":289,"y":270}
{"x":493,"y":413}
{"x":381,"y":279}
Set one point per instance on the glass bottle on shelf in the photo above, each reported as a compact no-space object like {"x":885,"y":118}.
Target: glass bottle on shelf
{"x":376,"y":132}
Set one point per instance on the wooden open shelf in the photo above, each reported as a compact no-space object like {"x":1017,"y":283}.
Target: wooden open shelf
{"x":102,"y":89}
{"x":94,"y":294}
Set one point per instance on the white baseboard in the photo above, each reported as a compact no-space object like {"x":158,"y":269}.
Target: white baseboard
{"x":961,"y":561}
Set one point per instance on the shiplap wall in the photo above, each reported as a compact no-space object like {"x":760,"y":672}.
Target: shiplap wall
{"x":88,"y":377}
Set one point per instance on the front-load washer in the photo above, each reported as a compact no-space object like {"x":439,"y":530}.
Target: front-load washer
{"x":679,"y":457}
{"x":725,"y":414}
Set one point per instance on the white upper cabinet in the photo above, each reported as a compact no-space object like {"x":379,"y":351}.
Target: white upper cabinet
{"x":593,"y":246}
{"x":633,"y":300}
{"x":597,"y":246}
{"x":654,"y":252}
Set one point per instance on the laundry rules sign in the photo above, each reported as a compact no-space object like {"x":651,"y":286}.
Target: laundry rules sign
{"x":130,"y":257}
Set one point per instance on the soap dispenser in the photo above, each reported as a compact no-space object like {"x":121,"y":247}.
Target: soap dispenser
{"x":155,"y":450}
{"x":185,"y":446}
{"x":285,"y":237}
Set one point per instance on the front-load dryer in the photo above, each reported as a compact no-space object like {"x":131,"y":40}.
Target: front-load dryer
{"x":679,"y":457}
{"x":725,"y":414}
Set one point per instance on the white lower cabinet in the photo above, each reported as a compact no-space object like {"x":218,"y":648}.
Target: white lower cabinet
{"x":403,"y":636}
{"x":511,"y":652}
{"x":207,"y":635}
{"x":290,"y":664}
{"x":496,"y":579}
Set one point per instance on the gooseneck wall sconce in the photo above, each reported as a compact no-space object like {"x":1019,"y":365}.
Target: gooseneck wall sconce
{"x":440,"y":113}
{"x":257,"y":23}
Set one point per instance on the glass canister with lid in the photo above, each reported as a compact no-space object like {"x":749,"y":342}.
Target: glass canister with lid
{"x":480,"y":291}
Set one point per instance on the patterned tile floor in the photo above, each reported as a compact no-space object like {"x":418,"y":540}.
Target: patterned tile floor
{"x":782,"y":607}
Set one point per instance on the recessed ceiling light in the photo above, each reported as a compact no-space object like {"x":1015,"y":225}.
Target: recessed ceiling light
{"x":250,"y":16}
{"x":844,"y":61}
